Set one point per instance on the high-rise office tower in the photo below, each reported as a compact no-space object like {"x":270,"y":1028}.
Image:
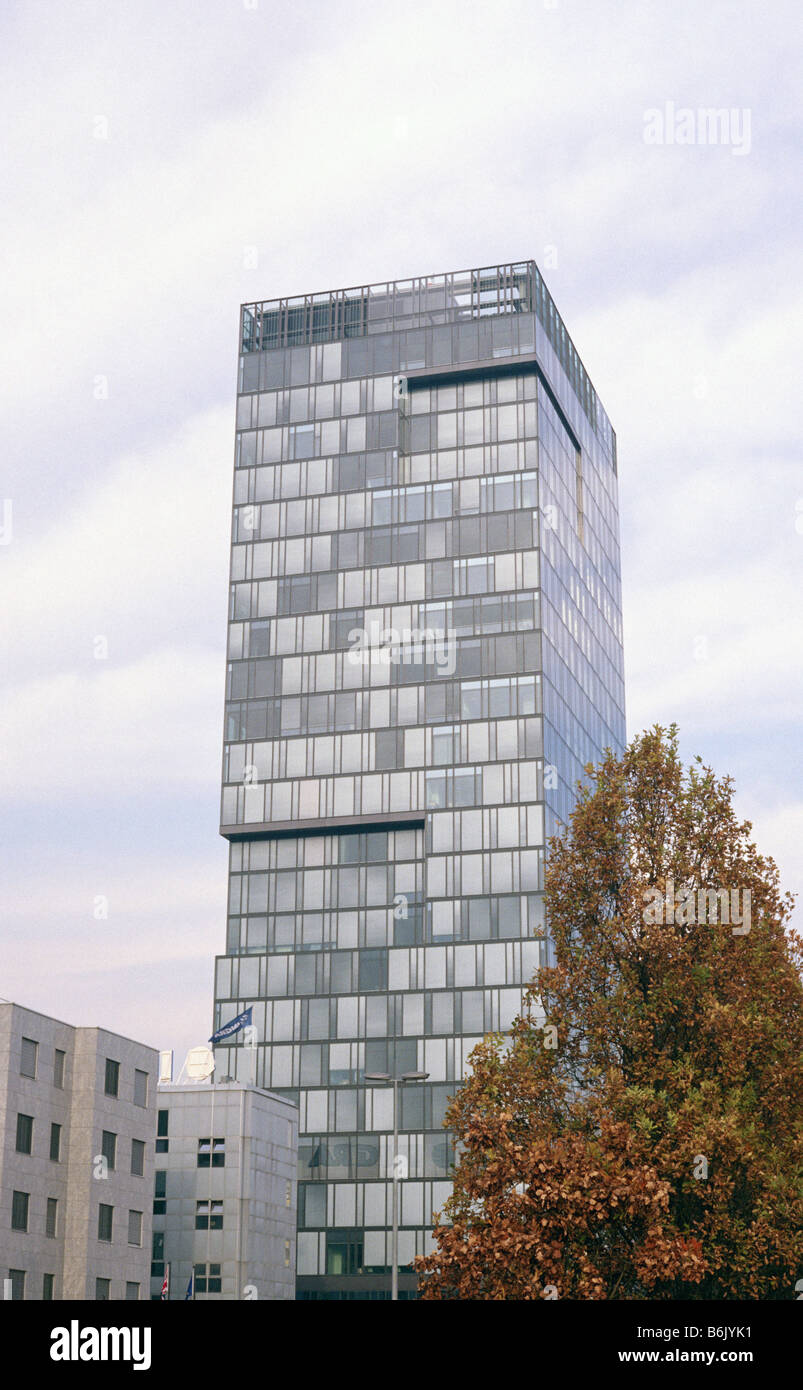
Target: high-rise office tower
{"x":424,"y":650}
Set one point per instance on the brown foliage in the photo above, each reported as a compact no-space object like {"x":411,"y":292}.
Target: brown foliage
{"x":656,"y":1150}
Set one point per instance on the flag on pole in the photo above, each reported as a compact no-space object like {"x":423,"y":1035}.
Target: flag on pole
{"x":190,"y":1286}
{"x":234,"y":1025}
{"x":166,"y":1283}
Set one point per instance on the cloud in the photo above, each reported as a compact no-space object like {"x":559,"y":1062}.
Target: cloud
{"x":136,"y":555}
{"x":149,"y":727}
{"x":722,"y":649}
{"x":129,"y":940}
{"x":125,"y":914}
{"x":778,"y":832}
{"x":356,"y":150}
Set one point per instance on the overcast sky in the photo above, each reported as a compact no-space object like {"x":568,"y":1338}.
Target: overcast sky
{"x":166,"y":161}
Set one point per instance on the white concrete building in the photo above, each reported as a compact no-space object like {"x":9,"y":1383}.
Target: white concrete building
{"x":225,"y":1192}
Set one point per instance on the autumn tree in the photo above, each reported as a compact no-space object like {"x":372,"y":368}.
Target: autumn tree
{"x":638,"y":1134}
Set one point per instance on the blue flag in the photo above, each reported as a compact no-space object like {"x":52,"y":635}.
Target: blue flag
{"x":228,"y":1030}
{"x":188,"y":1294}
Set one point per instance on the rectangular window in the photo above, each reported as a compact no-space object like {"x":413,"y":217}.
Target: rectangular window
{"x":214,"y":1149}
{"x":105,"y":1222}
{"x":159,"y":1191}
{"x":464,"y":787}
{"x":478,"y":575}
{"x":19,"y":1210}
{"x":140,"y":1088}
{"x":138,"y":1157}
{"x":17,"y":1278}
{"x":344,"y":1252}
{"x":112,"y":1081}
{"x":28,"y":1055}
{"x":387,"y":749}
{"x":207,"y":1278}
{"x":24,"y":1134}
{"x":157,"y":1254}
{"x":55,"y":1143}
{"x":58,"y":1068}
{"x":302,"y":441}
{"x":135,"y":1228}
{"x":162,"y":1141}
{"x":446,"y":744}
{"x":436,"y":789}
{"x":373,"y":969}
{"x":108,"y":1147}
{"x":48,"y":1281}
{"x":103,"y":1290}
{"x":208,"y":1216}
{"x":131,"y":1292}
{"x":312,"y":1196}
{"x":51,"y":1216}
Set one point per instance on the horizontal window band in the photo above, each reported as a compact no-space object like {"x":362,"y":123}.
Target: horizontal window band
{"x":332,"y":1283}
{"x":526,"y":364}
{"x":333,"y":825}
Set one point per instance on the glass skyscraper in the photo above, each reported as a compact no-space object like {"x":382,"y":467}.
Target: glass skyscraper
{"x":424,"y":650}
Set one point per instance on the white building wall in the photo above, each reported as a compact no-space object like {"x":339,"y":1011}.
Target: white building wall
{"x":74,"y":1256}
{"x":255,"y":1248}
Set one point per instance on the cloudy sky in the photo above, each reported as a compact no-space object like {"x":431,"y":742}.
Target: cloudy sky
{"x":166,"y":161}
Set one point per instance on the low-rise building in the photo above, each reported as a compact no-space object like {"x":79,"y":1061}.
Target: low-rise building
{"x":224,"y":1211}
{"x":77,"y":1120}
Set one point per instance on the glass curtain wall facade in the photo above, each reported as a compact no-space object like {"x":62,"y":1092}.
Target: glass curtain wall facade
{"x":424,"y":650}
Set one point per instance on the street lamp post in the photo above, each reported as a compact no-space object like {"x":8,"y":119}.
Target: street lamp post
{"x":396,"y":1082}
